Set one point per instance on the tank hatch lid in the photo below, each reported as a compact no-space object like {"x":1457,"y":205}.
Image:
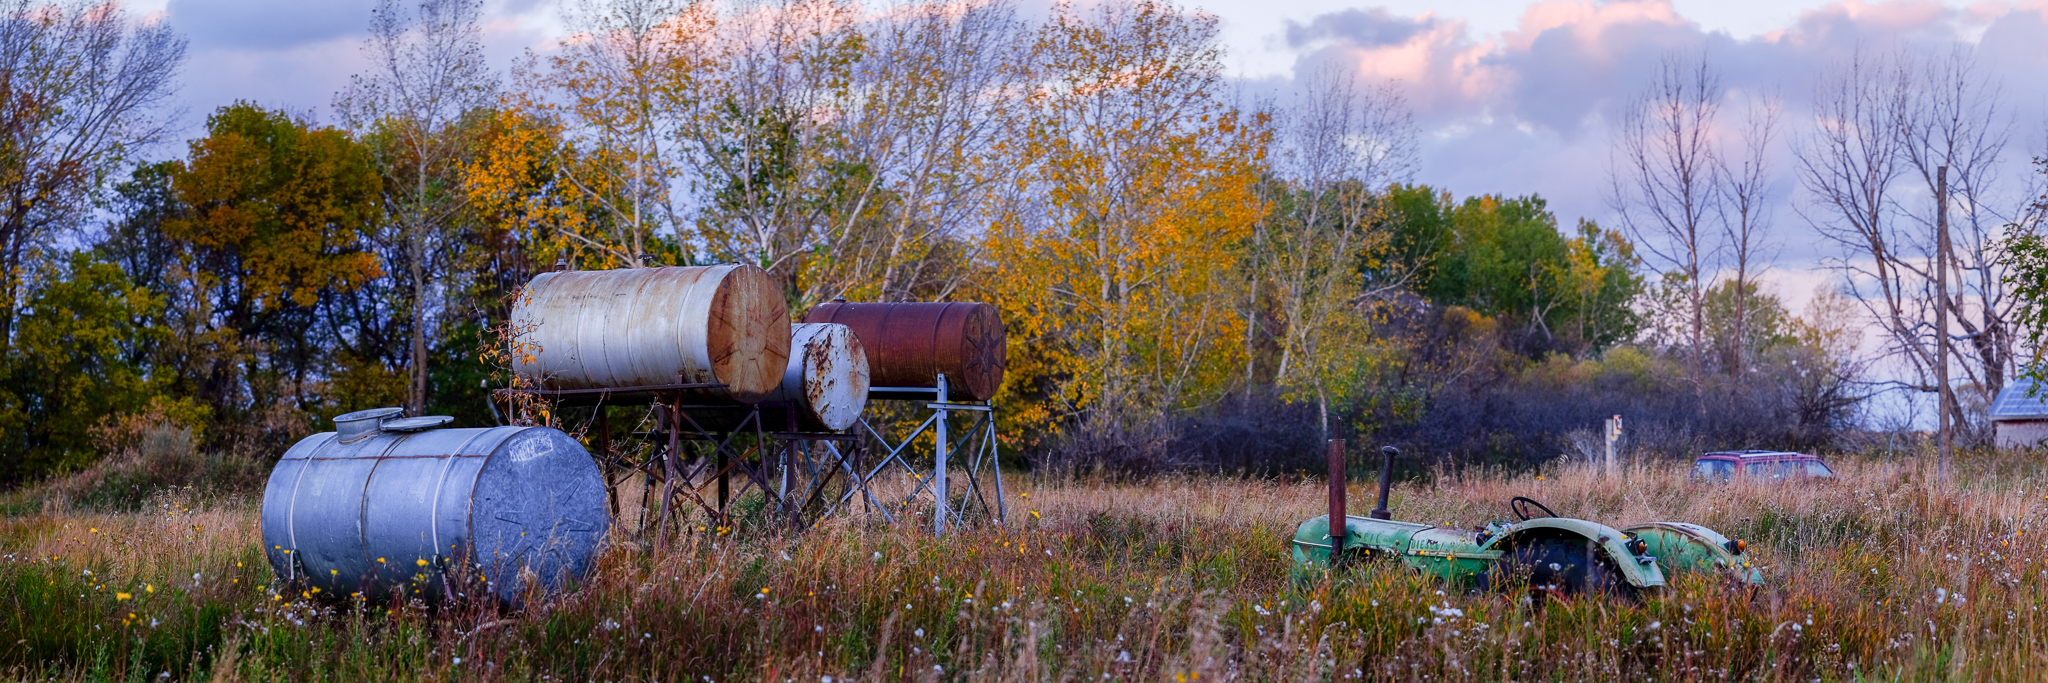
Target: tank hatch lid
{"x":417,"y":424}
{"x":354,"y":426}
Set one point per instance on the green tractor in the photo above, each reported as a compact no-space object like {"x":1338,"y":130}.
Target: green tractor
{"x":1552,"y":555}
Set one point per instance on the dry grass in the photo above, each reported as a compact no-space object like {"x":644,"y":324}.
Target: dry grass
{"x":1882,"y":574}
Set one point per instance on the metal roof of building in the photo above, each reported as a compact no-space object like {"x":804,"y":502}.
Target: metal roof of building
{"x":2013,"y":403}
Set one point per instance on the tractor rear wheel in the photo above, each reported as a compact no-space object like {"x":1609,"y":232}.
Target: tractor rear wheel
{"x":1556,"y":567}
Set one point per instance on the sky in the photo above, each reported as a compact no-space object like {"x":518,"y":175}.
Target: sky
{"x":1509,"y":96}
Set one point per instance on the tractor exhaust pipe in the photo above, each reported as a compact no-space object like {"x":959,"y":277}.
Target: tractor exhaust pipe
{"x":1386,"y":478}
{"x":1336,"y":499}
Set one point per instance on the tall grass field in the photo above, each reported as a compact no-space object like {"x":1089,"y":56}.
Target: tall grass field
{"x":1882,"y":574}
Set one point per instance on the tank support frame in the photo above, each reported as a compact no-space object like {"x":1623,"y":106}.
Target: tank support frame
{"x":792,"y":469}
{"x":979,"y":442}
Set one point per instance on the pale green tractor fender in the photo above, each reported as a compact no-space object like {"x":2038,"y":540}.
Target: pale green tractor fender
{"x":1682,"y":548}
{"x":1563,"y":546}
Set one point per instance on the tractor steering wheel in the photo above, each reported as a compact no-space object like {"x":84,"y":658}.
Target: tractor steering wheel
{"x":1521,"y":507}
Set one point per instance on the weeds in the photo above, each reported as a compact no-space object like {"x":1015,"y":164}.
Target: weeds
{"x":1881,"y":574}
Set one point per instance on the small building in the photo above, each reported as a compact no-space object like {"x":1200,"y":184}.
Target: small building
{"x":2019,"y":420}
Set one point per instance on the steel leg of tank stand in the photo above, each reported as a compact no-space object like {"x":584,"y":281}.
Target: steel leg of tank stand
{"x":788,"y":455}
{"x":724,"y":483}
{"x":939,"y":492}
{"x":995,"y":465}
{"x":979,"y":448}
{"x":668,"y":466}
{"x":604,"y":457}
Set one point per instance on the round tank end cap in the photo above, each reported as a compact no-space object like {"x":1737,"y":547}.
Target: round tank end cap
{"x":417,"y":424}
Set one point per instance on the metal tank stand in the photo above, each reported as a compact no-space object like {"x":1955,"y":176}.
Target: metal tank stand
{"x":718,"y":469}
{"x":664,"y":464}
{"x":978,"y":442}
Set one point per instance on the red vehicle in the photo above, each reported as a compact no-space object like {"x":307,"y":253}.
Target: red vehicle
{"x":1726,"y":465}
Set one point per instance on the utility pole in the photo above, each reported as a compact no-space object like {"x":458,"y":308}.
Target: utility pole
{"x":1941,"y":250}
{"x":1613,"y":435}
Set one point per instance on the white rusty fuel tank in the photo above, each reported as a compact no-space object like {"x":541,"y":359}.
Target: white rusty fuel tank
{"x":824,"y":388}
{"x":646,"y":327}
{"x":386,"y":505}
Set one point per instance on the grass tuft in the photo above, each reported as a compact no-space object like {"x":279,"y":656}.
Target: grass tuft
{"x":1881,"y":574}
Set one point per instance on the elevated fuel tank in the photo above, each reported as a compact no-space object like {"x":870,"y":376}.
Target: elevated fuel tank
{"x":386,"y":504}
{"x":910,"y":344}
{"x":644,"y":327}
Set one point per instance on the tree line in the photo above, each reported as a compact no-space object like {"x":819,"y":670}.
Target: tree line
{"x":1191,"y":276}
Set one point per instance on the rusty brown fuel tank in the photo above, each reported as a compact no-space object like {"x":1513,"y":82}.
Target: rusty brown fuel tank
{"x":909,"y":344}
{"x":644,"y":327}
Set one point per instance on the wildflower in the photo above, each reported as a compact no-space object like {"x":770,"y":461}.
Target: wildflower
{"x":122,"y":596}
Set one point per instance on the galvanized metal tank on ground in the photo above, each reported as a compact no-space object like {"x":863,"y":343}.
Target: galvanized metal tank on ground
{"x":387,"y":504}
{"x":641,"y":327}
{"x":825,"y":386}
{"x":910,"y":344}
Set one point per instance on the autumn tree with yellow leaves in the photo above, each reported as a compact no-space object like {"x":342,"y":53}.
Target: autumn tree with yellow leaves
{"x":1114,"y":263}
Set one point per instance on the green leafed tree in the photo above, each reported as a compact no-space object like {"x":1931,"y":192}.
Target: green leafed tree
{"x":79,"y":357}
{"x":1505,"y":257}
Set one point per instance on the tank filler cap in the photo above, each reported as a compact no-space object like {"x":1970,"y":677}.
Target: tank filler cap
{"x":352,"y":427}
{"x":417,"y":424}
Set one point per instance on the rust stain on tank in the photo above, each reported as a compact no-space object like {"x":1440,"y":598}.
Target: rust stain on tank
{"x":818,"y":359}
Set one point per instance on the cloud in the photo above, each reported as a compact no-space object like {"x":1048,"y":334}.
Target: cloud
{"x":264,"y":24}
{"x":1527,"y":110}
{"x":297,"y":55}
{"x":1360,"y":27}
